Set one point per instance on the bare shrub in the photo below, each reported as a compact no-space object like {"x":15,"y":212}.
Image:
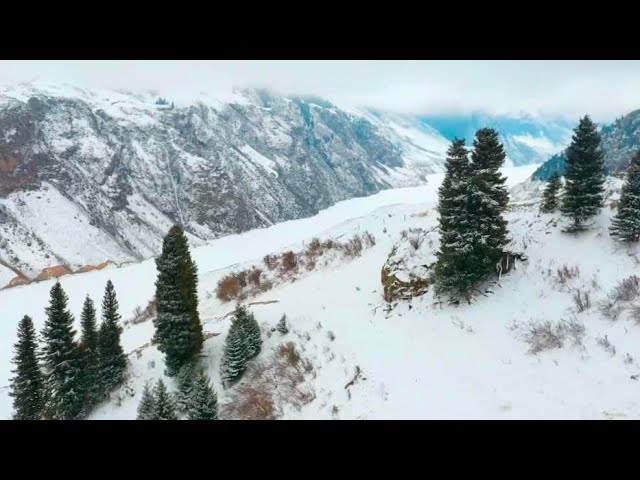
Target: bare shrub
{"x":267,"y":386}
{"x":228,"y":288}
{"x":627,"y":290}
{"x":581,"y":300}
{"x":566,"y":273}
{"x":242,"y":278}
{"x":142,"y":315}
{"x":606,"y":345}
{"x":315,"y":247}
{"x":266,"y":285}
{"x":353,"y":248}
{"x":331,"y":335}
{"x":611,"y":310}
{"x":254,"y":276}
{"x":270,"y":261}
{"x":634,"y":314}
{"x":548,"y":335}
{"x":289,"y":261}
{"x":328,"y":244}
{"x":310,"y":263}
{"x":368,"y":239}
{"x":627,"y":359}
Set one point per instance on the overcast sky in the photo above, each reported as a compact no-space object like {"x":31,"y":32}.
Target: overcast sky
{"x":603,"y":89}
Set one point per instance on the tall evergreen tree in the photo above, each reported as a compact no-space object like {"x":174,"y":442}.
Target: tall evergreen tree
{"x":204,"y":405}
{"x":63,"y":380}
{"x":89,"y":356}
{"x":178,"y":328}
{"x":626,"y":224}
{"x":251,"y":330}
{"x":113,"y":361}
{"x":550,"y":195}
{"x":236,"y":351}
{"x":488,"y":199}
{"x":146,"y":407}
{"x":27,"y":385}
{"x":584,"y":175}
{"x":163,"y":408}
{"x":452,"y":269}
{"x":186,"y":378}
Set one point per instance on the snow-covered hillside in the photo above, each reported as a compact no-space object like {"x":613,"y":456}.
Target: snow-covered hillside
{"x":419,"y":359}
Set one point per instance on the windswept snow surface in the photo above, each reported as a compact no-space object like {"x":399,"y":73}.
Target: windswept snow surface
{"x":421,"y":360}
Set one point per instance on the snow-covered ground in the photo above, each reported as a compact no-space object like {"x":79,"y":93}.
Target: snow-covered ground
{"x":421,"y":360}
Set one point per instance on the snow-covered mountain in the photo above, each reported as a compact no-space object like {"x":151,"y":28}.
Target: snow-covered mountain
{"x":88,"y":176}
{"x":526,"y":139}
{"x":526,"y":350}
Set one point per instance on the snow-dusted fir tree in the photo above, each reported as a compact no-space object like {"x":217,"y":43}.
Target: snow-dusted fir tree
{"x":550,"y":196}
{"x":452,"y":269}
{"x":584,"y":175}
{"x":113,"y":361}
{"x":253,"y":334}
{"x":63,"y":381}
{"x":89,"y":356}
{"x":282,"y":325}
{"x":146,"y":407}
{"x":178,"y":328}
{"x":204,"y":405}
{"x":186,"y":378}
{"x":163,"y":408}
{"x":27,"y":385}
{"x":488,"y":199}
{"x":626,"y":224}
{"x":236,"y":350}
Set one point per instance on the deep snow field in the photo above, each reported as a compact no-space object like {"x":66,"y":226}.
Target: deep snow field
{"x":420,"y":360}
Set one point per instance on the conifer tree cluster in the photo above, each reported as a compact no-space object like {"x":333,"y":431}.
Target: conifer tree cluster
{"x":158,"y":404}
{"x":243,"y":343}
{"x":73,"y":376}
{"x":472,"y":200}
{"x":584,"y":175}
{"x":178,"y":329}
{"x":550,"y":198}
{"x":625,"y":225}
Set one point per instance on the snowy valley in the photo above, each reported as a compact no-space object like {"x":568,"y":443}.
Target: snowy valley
{"x":355,"y":356}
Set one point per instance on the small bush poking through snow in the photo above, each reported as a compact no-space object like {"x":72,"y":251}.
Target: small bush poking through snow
{"x":228,"y":288}
{"x":581,"y":300}
{"x":606,"y":345}
{"x":551,"y":335}
{"x":610,"y":310}
{"x":627,"y":359}
{"x":627,"y":290}
{"x":566,"y":273}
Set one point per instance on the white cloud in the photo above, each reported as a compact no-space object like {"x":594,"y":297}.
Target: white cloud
{"x":604,"y":89}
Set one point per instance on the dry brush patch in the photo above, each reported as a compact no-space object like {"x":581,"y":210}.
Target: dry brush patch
{"x":284,"y":267}
{"x":269,"y":386}
{"x":548,"y":335}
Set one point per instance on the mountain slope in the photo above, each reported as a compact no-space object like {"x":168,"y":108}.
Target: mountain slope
{"x":88,"y":176}
{"x":419,"y":359}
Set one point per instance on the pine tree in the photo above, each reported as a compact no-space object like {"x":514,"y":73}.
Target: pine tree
{"x":63,"y":380}
{"x":236,"y":351}
{"x":146,"y":407}
{"x":550,"y":195}
{"x":113,"y":361}
{"x":282,"y":325}
{"x":89,"y":356}
{"x":205,"y":401}
{"x":452,"y":269}
{"x":488,"y":199}
{"x":584,"y":175}
{"x":163,"y":408}
{"x":178,"y":328}
{"x":186,"y":378}
{"x":626,"y":224}
{"x":252,"y":334}
{"x":27,"y":385}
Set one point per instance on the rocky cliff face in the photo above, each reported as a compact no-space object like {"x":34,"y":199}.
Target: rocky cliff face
{"x":88,"y":176}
